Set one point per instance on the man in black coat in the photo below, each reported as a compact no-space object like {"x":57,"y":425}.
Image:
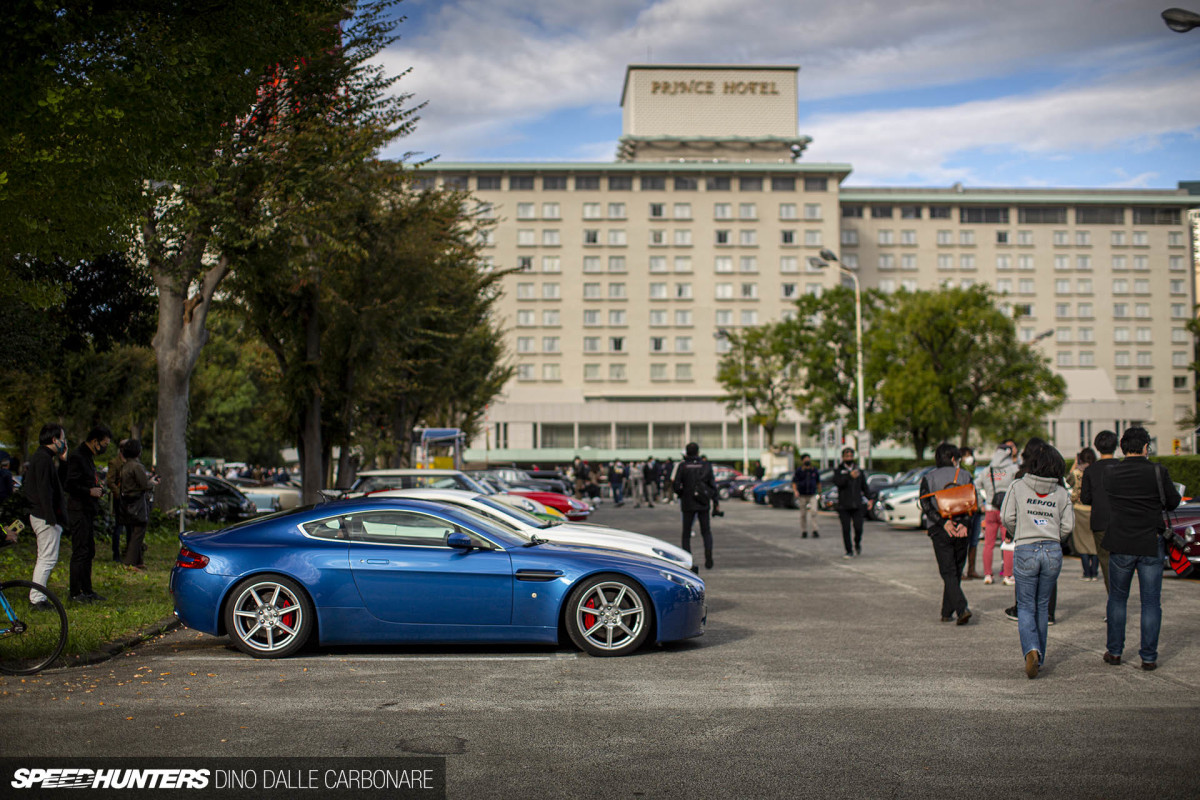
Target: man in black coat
{"x":1138,"y":494}
{"x":48,"y":511}
{"x":84,"y":489}
{"x":1091,"y":493}
{"x":852,"y":500}
{"x":696,"y":487}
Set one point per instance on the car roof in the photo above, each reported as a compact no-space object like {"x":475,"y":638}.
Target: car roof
{"x":384,"y":472}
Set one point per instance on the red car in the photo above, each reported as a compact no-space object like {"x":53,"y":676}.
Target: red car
{"x":1185,"y":531}
{"x":572,"y":509}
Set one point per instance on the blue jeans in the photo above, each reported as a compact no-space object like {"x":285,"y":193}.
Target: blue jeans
{"x":1120,"y":575}
{"x":1036,"y":567}
{"x":975,"y":528}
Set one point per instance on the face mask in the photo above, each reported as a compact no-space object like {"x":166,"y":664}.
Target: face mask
{"x":60,"y":446}
{"x":968,"y":461}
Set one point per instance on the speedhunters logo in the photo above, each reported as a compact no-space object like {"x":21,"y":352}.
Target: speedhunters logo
{"x":68,"y":778}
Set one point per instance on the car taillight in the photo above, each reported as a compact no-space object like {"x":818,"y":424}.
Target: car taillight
{"x":189,"y":559}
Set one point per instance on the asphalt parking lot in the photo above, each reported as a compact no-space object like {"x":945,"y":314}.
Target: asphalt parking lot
{"x":817,"y":677}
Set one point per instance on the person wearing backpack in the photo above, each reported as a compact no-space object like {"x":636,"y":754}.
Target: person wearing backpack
{"x":696,"y":486}
{"x":950,"y":535}
{"x":1039,"y":516}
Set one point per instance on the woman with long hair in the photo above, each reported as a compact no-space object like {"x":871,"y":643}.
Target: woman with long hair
{"x":1082,"y":541}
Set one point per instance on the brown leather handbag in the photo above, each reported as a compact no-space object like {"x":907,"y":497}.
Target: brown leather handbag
{"x":955,"y":500}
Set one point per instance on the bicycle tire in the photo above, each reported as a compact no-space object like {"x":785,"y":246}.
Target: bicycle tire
{"x":41,"y":641}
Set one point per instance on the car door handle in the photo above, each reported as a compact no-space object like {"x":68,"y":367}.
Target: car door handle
{"x":374,"y":561}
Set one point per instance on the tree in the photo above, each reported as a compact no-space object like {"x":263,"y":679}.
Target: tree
{"x":759,"y":371}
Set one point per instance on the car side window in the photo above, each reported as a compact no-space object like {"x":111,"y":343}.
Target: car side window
{"x":400,"y":527}
{"x":333,"y":528}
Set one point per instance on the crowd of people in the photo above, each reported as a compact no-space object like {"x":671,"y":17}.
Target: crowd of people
{"x":645,"y":482}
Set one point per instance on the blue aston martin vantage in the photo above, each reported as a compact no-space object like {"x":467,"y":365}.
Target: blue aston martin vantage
{"x":410,"y":571}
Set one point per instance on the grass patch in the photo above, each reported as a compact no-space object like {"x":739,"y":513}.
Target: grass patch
{"x":133,"y":601}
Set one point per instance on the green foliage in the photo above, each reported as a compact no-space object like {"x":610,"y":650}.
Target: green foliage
{"x":760,"y":372}
{"x":1183,"y":469}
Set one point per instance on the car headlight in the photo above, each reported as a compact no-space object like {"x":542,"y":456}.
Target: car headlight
{"x":1189,"y":534}
{"x":691,"y":583}
{"x":658,"y":551}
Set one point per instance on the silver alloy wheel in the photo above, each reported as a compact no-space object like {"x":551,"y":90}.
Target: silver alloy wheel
{"x":618,"y":615}
{"x":259,"y":614}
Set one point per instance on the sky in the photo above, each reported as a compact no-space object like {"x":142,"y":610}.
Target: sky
{"x":1064,"y":93}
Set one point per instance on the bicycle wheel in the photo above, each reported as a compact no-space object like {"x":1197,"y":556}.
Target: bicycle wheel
{"x":30,"y":639}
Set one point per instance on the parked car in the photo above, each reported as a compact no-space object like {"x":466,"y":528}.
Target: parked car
{"x":528,"y":525}
{"x":572,"y":509}
{"x":224,"y":501}
{"x":902,"y":507}
{"x":734,"y":487}
{"x":521,"y":479}
{"x":393,"y":571}
{"x":287,"y":495}
{"x":379,"y":480}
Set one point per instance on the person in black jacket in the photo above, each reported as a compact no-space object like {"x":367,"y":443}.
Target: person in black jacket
{"x":853,"y":495}
{"x":84,"y":488}
{"x":48,"y":512}
{"x":1091,"y":493}
{"x":696,"y":486}
{"x":1138,"y":493}
{"x":650,"y":478}
{"x":950,"y":537}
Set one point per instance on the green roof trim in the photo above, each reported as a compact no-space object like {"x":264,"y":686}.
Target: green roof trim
{"x":1016,"y":197}
{"x":631,"y":166}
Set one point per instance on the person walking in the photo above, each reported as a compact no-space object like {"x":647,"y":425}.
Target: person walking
{"x":667,"y":481}
{"x":696,"y":486}
{"x":993,"y":483}
{"x":582,"y":473}
{"x":134,"y":503}
{"x":650,"y":478}
{"x":1081,"y":539}
{"x":1138,"y":493}
{"x":853,"y":495}
{"x":84,"y":490}
{"x":1039,"y":516}
{"x":616,"y":481}
{"x":48,"y":511}
{"x":1091,"y":493}
{"x":948,"y":535}
{"x":112,"y":482}
{"x":806,"y":483}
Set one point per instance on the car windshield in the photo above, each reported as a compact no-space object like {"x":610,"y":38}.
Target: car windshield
{"x":378,"y":483}
{"x":512,"y":512}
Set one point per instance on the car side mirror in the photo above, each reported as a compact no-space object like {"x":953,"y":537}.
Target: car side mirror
{"x":459,"y":539}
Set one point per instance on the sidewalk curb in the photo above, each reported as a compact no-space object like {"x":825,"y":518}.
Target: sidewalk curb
{"x":110,"y":649}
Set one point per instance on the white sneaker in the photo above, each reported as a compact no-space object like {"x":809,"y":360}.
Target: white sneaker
{"x":1010,"y":581}
{"x":987,"y":580}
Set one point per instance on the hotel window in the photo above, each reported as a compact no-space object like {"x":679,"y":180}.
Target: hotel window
{"x":910,"y":212}
{"x":850,"y":260}
{"x":591,"y":263}
{"x":616,"y":211}
{"x":723,"y":264}
{"x":591,"y":291}
{"x":553,"y":183}
{"x":813,"y":289}
{"x":812,"y":211}
{"x":551,"y":344}
{"x":789,"y":264}
{"x":1180,"y":335}
{"x":683,"y":237}
{"x":1122,"y":383}
{"x":1178,"y":287}
{"x":748,"y":238}
{"x":526,"y":237}
{"x":551,"y":372}
{"x":1120,"y":263}
{"x":787,"y":211}
{"x":524,"y":344}
{"x":1003,"y":262}
{"x":616,"y":344}
{"x":724,"y":291}
{"x":1140,"y":239}
{"x":1178,"y":311}
{"x":750,"y":184}
{"x":986,"y":214}
{"x":1145,"y":335}
{"x":658,"y":344}
{"x":590,"y":183}
{"x":657,"y":210}
{"x":683,"y":344}
{"x":967,"y":283}
{"x":658,"y":291}
{"x":489,"y":183}
{"x":1145,"y":382}
{"x":551,"y":264}
{"x":617,"y":317}
{"x":1025,"y":262}
{"x":683,"y":291}
{"x":787,"y":291}
{"x":653,"y":183}
{"x":1179,"y":359}
{"x":1083,"y":238}
{"x":945,"y":261}
{"x":783,"y":184}
{"x":683,"y":318}
{"x":1144,"y":359}
{"x":658,"y":318}
{"x":1087,"y":335}
{"x":682,"y":211}
{"x":551,"y":211}
{"x":749,"y":317}
{"x":908,"y":237}
{"x":683,"y":263}
{"x":886,"y":237}
{"x":1085,"y":311}
{"x":908,"y":284}
{"x":908,"y":261}
{"x":550,"y":291}
{"x":1156,"y":216}
{"x":1004,"y":286}
{"x":551,"y":318}
{"x":485,"y":211}
{"x":887,"y":261}
{"x":881,"y":212}
{"x":591,"y":372}
{"x":1064,"y":359}
{"x":1001,"y":237}
{"x":722,"y":211}
{"x":966,"y":237}
{"x":722,"y":236}
{"x":1175,"y":263}
{"x":591,"y":236}
{"x":616,"y":372}
{"x":939,"y":212}
{"x":525,"y":372}
{"x":748,"y":264}
{"x":1120,"y":310}
{"x":1024,"y":310}
{"x":787,"y":237}
{"x":1025,"y":286}
{"x":1062,"y":263}
{"x":1062,"y":287}
{"x":616,"y":291}
{"x":1141,"y":263}
{"x":1061,"y":238}
{"x":945,"y":237}
{"x":616,"y":183}
{"x":525,"y":263}
{"x":658,"y":237}
{"x":747,"y":211}
{"x":1062,"y":310}
{"x":749,"y":291}
{"x":591,"y":318}
{"x":1174,"y":239}
{"x":520,"y":183}
{"x":1141,"y":286}
{"x":849,"y":237}
{"x":550,"y":237}
{"x":852,"y":212}
{"x":816,"y":184}
{"x":524,"y":291}
{"x":1120,"y":334}
{"x":616,"y":263}
{"x":684,"y":184}
{"x":525,"y":319}
{"x":1024,"y":237}
{"x":1083,"y":262}
{"x":719,"y":184}
{"x":723,"y":317}
{"x":658,"y":372}
{"x":591,"y":211}
{"x":658,"y":263}
{"x":966,"y":261}
{"x":1118,"y":238}
{"x":887,"y":285}
{"x":683,"y":372}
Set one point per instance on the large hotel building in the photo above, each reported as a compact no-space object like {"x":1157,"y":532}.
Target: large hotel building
{"x":706,"y":221}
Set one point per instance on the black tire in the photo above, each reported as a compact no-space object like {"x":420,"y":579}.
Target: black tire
{"x":723,"y":492}
{"x":33,"y":639}
{"x":623,"y":600}
{"x":269,"y":616}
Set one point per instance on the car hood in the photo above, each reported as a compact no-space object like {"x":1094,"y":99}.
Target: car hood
{"x":612,"y":537}
{"x":587,"y":558}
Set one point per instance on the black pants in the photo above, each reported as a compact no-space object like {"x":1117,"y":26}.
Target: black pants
{"x":135,"y":551}
{"x":951,"y":552}
{"x":846,"y":515}
{"x":81,"y":524}
{"x":705,"y":530}
{"x":118,"y":530}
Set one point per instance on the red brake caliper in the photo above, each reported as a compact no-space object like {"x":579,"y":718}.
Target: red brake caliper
{"x":589,"y":619}
{"x":287,"y":619}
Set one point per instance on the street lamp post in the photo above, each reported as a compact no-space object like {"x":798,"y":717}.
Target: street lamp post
{"x":1181,"y":20}
{"x":821,"y":262}
{"x":724,"y":334}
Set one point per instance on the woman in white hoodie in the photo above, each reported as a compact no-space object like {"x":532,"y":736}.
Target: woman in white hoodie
{"x":1039,"y":516}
